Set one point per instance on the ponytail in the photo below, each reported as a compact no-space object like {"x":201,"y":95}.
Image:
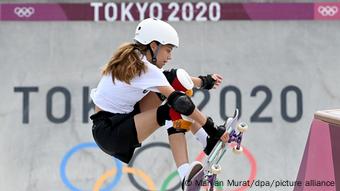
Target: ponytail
{"x":126,"y":62}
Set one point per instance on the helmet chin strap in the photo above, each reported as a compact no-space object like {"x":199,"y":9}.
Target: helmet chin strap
{"x":154,"y":54}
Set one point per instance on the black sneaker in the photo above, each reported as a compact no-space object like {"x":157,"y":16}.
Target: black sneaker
{"x":211,"y":142}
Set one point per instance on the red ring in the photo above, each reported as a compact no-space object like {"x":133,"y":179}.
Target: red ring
{"x":251,"y":159}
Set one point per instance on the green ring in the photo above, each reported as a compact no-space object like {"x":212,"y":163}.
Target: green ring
{"x":168,"y":180}
{"x":173,"y":175}
{"x":219,"y":186}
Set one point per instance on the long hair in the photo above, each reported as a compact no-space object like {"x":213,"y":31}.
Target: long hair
{"x":126,"y":62}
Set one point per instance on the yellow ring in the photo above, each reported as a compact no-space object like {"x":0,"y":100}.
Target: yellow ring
{"x":150,"y":184}
{"x":100,"y":181}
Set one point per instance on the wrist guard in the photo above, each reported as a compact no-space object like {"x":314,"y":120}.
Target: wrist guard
{"x":207,"y":82}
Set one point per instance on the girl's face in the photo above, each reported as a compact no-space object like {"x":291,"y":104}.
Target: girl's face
{"x":164,"y":55}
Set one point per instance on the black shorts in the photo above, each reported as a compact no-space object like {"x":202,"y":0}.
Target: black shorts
{"x":116,"y":134}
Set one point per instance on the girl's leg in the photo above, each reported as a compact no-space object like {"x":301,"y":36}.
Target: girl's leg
{"x":179,"y":151}
{"x":199,"y":133}
{"x":146,"y":121}
{"x":150,"y":101}
{"x":178,"y":147}
{"x":194,"y":127}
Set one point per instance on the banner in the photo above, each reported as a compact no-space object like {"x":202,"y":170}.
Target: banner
{"x":174,"y":11}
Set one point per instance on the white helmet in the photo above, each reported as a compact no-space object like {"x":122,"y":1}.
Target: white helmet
{"x":153,"y":29}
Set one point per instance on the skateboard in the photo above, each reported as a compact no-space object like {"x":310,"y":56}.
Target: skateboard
{"x":211,"y":167}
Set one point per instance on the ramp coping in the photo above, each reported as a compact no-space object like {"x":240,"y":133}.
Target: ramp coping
{"x":330,"y":116}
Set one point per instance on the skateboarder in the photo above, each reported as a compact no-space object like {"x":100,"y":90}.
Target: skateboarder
{"x":128,"y":109}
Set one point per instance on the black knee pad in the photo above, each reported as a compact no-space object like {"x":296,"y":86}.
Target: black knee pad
{"x":162,"y":114}
{"x":173,"y":130}
{"x":181,"y":103}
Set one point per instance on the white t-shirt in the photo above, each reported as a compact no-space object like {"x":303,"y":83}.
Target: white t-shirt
{"x":120,"y":97}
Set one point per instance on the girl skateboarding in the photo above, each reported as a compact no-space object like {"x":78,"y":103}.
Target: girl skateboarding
{"x":128,"y":99}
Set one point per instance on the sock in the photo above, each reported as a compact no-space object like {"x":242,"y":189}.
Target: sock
{"x":201,"y":136}
{"x":183,"y":170}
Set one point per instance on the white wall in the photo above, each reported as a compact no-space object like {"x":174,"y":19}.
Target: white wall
{"x":43,"y":56}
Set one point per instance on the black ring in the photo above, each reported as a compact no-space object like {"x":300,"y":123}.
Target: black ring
{"x":132,"y":178}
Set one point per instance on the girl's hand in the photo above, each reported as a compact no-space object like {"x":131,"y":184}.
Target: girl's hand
{"x":218,"y":79}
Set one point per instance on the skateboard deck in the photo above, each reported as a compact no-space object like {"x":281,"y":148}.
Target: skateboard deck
{"x":220,"y":147}
{"x":207,"y":175}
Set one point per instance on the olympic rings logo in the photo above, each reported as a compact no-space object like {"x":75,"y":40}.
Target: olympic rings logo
{"x":24,"y":11}
{"x":119,"y":170}
{"x":328,"y":10}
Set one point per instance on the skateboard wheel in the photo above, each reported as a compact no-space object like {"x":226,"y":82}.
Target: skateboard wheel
{"x":237,"y":151}
{"x":242,"y":127}
{"x":216,"y":169}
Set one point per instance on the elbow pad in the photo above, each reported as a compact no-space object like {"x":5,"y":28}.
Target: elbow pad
{"x":181,"y":103}
{"x":180,"y":80}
